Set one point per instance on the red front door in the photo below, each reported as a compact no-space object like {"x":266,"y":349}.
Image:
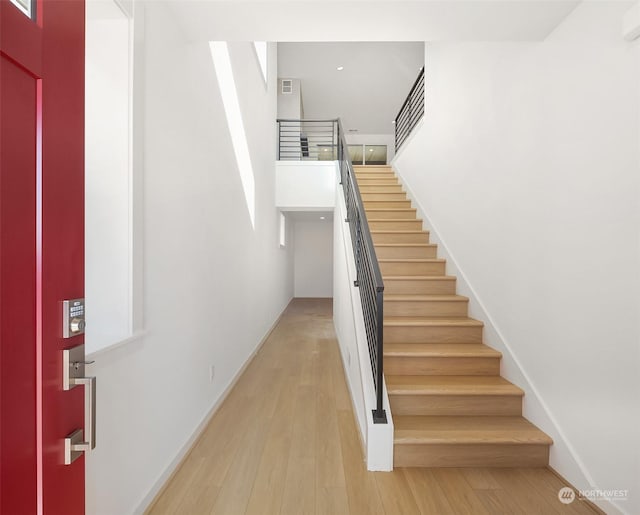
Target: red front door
{"x":41,"y":252}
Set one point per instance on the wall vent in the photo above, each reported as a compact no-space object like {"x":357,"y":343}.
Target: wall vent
{"x":287,"y":86}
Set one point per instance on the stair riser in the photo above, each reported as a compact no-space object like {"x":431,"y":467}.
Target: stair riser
{"x":431,"y":334}
{"x":383,"y":196}
{"x":372,"y":169}
{"x":406,"y":252}
{"x":388,"y":188}
{"x":456,"y":405}
{"x":470,"y":455}
{"x":446,"y":366}
{"x":391,"y":214}
{"x":408,"y":286}
{"x":377,"y":181}
{"x":387,"y":204}
{"x":377,"y":177}
{"x":370,"y":172}
{"x":436,"y":308}
{"x":397,"y":215}
{"x":398,"y":237}
{"x":409,"y":268}
{"x":390,"y":225}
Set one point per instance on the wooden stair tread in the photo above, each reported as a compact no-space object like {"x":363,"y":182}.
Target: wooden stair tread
{"x":440,"y":350}
{"x":451,"y":385}
{"x":411,"y":260}
{"x":387,"y":209}
{"x":397,"y":245}
{"x":395,"y":220}
{"x":417,"y":297}
{"x":409,"y":429}
{"x":419,"y":277}
{"x":432,"y":322}
{"x":471,"y":417}
{"x":398,"y":231}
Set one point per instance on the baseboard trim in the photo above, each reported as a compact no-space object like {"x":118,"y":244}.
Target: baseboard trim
{"x":149,"y":500}
{"x":592,"y":505}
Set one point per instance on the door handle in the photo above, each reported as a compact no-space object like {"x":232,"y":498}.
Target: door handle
{"x":79,"y":441}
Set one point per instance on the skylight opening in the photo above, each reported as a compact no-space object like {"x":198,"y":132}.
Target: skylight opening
{"x":261,"y":53}
{"x":229,"y":93}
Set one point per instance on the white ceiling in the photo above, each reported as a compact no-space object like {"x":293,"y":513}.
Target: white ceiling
{"x":366,"y":94}
{"x":364,"y":20}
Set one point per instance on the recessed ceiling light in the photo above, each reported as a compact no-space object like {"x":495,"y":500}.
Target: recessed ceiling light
{"x":393,"y":122}
{"x":326,"y":150}
{"x":340,"y":68}
{"x":322,"y":218}
{"x":370,"y":150}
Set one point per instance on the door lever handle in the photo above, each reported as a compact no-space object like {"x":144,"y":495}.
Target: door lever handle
{"x":77,"y":364}
{"x":89,"y":384}
{"x":73,"y":374}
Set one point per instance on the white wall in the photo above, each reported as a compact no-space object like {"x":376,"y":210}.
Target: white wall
{"x":306,"y":185}
{"x":527,"y":166}
{"x":208,"y":299}
{"x":313,"y":258}
{"x":108,"y":229}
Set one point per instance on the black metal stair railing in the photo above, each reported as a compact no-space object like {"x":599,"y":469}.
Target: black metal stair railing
{"x":368,"y":275}
{"x":307,"y":140}
{"x":324,"y":140}
{"x":411,"y":111}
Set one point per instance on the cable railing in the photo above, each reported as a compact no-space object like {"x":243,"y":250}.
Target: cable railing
{"x":325,"y":140}
{"x":411,"y":111}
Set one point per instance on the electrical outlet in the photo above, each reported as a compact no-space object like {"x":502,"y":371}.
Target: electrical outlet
{"x":212,"y":372}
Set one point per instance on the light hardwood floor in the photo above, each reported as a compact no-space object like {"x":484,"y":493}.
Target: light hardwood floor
{"x":285,"y":442}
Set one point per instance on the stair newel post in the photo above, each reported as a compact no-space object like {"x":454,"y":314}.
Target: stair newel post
{"x":395,"y":134}
{"x":334,"y":134}
{"x":340,"y":151}
{"x":379,"y":415}
{"x":358,"y":247}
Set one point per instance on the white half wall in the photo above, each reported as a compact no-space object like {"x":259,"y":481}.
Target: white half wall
{"x":213,"y":285}
{"x":313,"y":258}
{"x":348,"y":320}
{"x":527,"y":167}
{"x":306,"y":185}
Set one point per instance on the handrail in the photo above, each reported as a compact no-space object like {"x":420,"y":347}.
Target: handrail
{"x":411,"y":111}
{"x":368,"y":274}
{"x":324,"y":140}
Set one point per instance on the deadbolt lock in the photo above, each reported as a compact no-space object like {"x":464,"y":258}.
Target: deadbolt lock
{"x":73,"y":322}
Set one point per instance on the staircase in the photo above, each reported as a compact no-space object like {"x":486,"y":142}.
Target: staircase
{"x":450,"y":406}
